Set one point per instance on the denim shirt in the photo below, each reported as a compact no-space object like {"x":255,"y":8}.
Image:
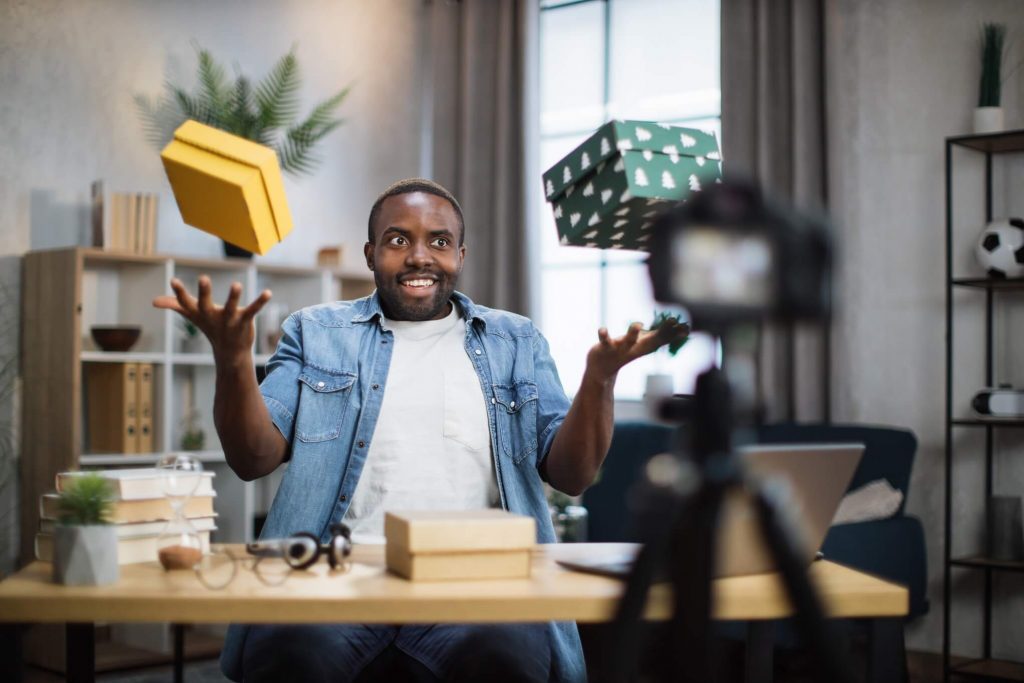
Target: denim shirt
{"x":324,"y":388}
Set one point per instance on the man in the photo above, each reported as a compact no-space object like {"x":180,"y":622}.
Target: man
{"x":413,"y":397}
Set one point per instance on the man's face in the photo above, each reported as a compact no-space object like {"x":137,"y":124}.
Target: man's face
{"x":415,"y":256}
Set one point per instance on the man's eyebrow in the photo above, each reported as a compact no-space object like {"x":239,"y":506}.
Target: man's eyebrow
{"x":434,"y":233}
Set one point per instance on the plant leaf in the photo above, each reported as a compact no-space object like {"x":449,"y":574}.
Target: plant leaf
{"x":277,"y":95}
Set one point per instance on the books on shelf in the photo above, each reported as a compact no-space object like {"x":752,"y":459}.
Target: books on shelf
{"x":130,"y":550}
{"x":119,"y":406}
{"x":136,"y":529}
{"x":145,"y":510}
{"x":138,"y":483}
{"x":124,"y":221}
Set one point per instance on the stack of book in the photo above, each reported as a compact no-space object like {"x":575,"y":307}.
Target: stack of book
{"x":461,"y":544}
{"x":119,"y":402}
{"x":140,"y":512}
{"x":124,"y":221}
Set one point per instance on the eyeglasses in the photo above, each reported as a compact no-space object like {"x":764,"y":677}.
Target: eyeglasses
{"x":272,"y":560}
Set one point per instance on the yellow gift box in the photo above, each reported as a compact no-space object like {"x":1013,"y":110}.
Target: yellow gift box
{"x":227,"y":186}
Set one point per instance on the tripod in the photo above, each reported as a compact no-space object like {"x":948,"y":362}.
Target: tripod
{"x":693,"y":492}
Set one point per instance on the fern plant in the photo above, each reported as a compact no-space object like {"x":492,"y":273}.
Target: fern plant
{"x":86,"y":500}
{"x":666,"y":318}
{"x":266,"y":112}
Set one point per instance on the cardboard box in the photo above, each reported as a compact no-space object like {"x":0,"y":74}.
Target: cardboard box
{"x":228,"y":186}
{"x":462,"y":544}
{"x":607,"y":192}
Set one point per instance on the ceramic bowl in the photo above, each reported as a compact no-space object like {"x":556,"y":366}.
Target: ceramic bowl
{"x":115,"y":337}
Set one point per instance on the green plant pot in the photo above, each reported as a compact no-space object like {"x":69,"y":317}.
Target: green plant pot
{"x":85,"y":555}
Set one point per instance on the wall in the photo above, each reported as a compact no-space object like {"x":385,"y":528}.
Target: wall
{"x":68,"y":71}
{"x":902,"y":76}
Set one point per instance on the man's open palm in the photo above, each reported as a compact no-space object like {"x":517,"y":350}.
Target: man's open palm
{"x":609,"y":355}
{"x":229,"y":328}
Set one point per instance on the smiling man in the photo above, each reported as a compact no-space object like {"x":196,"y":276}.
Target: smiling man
{"x":414,"y":397}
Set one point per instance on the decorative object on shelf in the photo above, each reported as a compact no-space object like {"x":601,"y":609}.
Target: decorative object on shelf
{"x":1003,"y":401}
{"x":85,"y":543}
{"x":568,"y":517}
{"x":179,"y":545}
{"x":988,"y":116}
{"x":272,"y":317}
{"x":606,"y":192}
{"x":1000,"y":248}
{"x":1008,"y":528}
{"x":124,"y":221}
{"x":192,"y":340}
{"x":118,"y":338}
{"x":1007,"y":541}
{"x":193,"y":438}
{"x":257,"y":112}
{"x":330,"y":257}
{"x":661,"y":385}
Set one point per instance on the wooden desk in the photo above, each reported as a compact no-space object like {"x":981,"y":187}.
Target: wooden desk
{"x":369,"y":594}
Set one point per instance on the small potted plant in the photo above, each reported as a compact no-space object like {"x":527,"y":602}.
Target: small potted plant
{"x":660,"y":385}
{"x":192,"y":436}
{"x":192,"y":340}
{"x":85,"y":542}
{"x":988,"y":116}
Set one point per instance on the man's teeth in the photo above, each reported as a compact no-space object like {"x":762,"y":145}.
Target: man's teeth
{"x":418,"y":283}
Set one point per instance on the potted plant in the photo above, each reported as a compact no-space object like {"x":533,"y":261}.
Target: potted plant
{"x":192,"y":436}
{"x":265,"y":112}
{"x":85,"y":543}
{"x":192,"y":340}
{"x":661,"y":385}
{"x":988,"y":116}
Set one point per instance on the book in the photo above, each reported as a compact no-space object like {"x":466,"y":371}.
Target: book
{"x":129,"y":550}
{"x":137,"y":483}
{"x":500,"y":564}
{"x":123,"y":221}
{"x":145,"y":510}
{"x":144,"y":403}
{"x":134,"y":529}
{"x":111,"y":395}
{"x":426,"y":531}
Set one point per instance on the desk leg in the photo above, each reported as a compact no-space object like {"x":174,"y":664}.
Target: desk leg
{"x":179,"y":652}
{"x":760,"y":648}
{"x":81,"y":652}
{"x":11,"y":662}
{"x":886,"y":654}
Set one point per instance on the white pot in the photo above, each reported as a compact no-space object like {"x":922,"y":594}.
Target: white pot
{"x":988,"y":120}
{"x":657,"y":388}
{"x":85,"y":555}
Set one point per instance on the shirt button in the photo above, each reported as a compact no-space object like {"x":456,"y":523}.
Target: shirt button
{"x":320,"y":385}
{"x":376,"y":386}
{"x":512,"y":404}
{"x":478,"y":352}
{"x":383,"y":341}
{"x":494,"y":400}
{"x":362,"y":443}
{"x":343,"y":498}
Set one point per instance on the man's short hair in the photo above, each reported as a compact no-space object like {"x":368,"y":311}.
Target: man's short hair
{"x":416,"y":185}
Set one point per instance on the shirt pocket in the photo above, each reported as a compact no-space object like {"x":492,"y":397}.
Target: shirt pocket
{"x":323,"y":399}
{"x":516,"y":414}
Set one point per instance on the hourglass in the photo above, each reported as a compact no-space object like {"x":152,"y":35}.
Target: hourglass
{"x":179,"y":545}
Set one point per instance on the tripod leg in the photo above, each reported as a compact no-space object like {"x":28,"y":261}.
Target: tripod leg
{"x":758,"y":661}
{"x":886,"y":655}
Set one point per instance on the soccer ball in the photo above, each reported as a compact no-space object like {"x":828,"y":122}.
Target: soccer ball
{"x":1000,"y":248}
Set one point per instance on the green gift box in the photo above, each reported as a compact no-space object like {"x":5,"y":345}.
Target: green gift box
{"x":606,"y":192}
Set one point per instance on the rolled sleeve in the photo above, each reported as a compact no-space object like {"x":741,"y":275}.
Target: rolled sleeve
{"x":280,"y":388}
{"x":552,"y":403}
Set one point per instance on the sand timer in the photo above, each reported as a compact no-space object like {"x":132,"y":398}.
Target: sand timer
{"x":179,"y":545}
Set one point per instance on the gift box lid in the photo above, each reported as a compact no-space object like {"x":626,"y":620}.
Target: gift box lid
{"x":451,"y":531}
{"x":228,"y":186}
{"x":616,"y":137}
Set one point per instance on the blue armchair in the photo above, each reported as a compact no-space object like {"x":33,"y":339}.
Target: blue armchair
{"x":891,"y":548}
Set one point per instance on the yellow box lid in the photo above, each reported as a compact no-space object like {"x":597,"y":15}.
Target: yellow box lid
{"x":228,"y":186}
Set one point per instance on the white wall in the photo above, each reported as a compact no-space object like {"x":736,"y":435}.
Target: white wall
{"x":68,"y":71}
{"x":902,"y":77}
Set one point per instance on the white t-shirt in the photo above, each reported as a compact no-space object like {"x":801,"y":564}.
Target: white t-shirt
{"x":431,"y":448}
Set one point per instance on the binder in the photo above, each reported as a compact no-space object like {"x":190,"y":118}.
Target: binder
{"x":144,"y":401}
{"x":112,"y":394}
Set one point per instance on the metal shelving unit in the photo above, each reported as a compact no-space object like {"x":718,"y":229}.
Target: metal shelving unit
{"x":985,"y":668}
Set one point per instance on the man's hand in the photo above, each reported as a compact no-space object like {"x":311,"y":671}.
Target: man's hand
{"x":607,"y":357}
{"x":230,"y":329}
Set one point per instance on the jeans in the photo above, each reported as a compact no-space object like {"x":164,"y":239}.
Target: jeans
{"x":455,"y":653}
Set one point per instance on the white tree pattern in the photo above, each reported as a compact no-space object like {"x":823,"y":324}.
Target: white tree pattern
{"x":667,"y":181}
{"x":640,"y":178}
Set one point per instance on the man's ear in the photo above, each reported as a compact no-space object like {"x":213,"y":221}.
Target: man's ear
{"x":368,"y":253}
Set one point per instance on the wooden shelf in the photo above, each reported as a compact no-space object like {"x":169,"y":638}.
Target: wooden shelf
{"x":118,"y":459}
{"x":982,"y":562}
{"x":991,"y":669}
{"x":1014,"y":283}
{"x":989,"y":422}
{"x":1006,"y":141}
{"x":125,"y":357}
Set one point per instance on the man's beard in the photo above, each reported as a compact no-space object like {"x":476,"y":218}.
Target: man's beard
{"x":397,"y":307}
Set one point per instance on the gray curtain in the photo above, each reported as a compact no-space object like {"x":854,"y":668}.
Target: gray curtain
{"x":480,"y":80}
{"x":773,"y":129}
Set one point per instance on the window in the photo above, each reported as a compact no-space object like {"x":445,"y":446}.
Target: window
{"x":653,"y":60}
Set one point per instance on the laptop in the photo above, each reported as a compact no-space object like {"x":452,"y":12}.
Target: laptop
{"x":816,"y":477}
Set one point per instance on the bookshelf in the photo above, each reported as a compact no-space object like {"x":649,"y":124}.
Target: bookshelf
{"x":67,"y":291}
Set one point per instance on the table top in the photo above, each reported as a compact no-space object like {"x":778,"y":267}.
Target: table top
{"x":368,"y":593}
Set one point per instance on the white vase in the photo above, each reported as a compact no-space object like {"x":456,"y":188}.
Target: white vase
{"x":988,"y":120}
{"x":85,"y":555}
{"x":657,"y":388}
